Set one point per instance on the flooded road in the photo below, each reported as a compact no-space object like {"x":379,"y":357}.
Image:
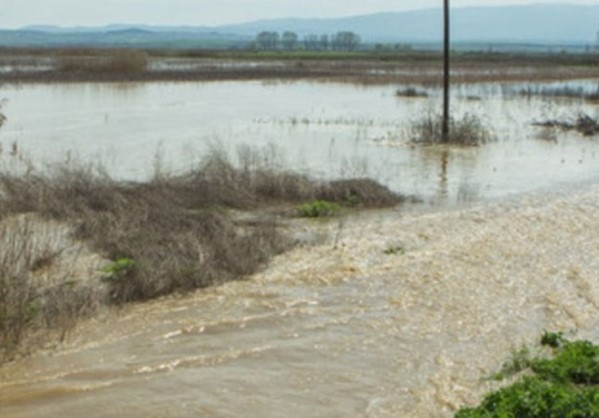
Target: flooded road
{"x":390,"y":316}
{"x":322,"y":129}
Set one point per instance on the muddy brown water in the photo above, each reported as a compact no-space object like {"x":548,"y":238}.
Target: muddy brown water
{"x":341,"y":328}
{"x":322,"y":129}
{"x":338,"y":328}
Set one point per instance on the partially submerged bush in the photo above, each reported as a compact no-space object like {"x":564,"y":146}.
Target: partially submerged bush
{"x":468,"y":130}
{"x":563,"y":385}
{"x":582,"y":123}
{"x":2,"y":116}
{"x":32,"y":294}
{"x":411,"y":92}
{"x":116,"y":61}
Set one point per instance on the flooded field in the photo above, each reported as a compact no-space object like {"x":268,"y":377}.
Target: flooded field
{"x":381,"y":314}
{"x":325,"y":130}
{"x":339,"y":329}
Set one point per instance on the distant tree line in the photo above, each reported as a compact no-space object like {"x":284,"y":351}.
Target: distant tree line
{"x":290,"y":41}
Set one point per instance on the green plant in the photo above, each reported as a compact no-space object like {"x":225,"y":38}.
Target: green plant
{"x":319,"y":209}
{"x":552,"y":339}
{"x":520,"y":360}
{"x":118,"y":269}
{"x":563,"y":385}
{"x":395,"y":250}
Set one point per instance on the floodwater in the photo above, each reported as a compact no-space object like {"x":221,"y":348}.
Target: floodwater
{"x":339,"y":329}
{"x":324,"y":130}
{"x":387,"y":314}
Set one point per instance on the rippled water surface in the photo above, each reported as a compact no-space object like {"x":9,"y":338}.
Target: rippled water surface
{"x":328,"y":130}
{"x":344,"y":328}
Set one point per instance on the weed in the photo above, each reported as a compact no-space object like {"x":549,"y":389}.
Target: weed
{"x":118,"y":269}
{"x":319,"y":209}
{"x":2,"y":116}
{"x":411,"y":92}
{"x":395,"y":250}
{"x":122,"y":61}
{"x":583,"y":124}
{"x":563,"y":385}
{"x":468,"y":130}
{"x":520,"y":360}
{"x":552,"y":339}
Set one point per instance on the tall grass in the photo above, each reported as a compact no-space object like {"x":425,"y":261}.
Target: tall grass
{"x":122,"y":61}
{"x":469,"y":130}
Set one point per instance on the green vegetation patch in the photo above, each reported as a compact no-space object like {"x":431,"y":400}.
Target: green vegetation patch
{"x":561,"y":385}
{"x":319,"y":209}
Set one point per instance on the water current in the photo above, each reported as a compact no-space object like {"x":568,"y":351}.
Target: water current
{"x":340,"y":327}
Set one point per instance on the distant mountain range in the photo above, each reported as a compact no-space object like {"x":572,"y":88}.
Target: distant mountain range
{"x":538,"y":23}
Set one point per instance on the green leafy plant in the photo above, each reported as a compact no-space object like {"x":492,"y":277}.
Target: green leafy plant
{"x":118,"y":269}
{"x":563,"y":385}
{"x":319,"y":209}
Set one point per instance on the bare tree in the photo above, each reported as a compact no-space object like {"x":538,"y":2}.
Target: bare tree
{"x":345,"y":41}
{"x":323,"y":43}
{"x":267,"y":40}
{"x":289,"y":40}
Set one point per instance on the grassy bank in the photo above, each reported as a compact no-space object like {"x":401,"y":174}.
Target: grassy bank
{"x":171,"y":234}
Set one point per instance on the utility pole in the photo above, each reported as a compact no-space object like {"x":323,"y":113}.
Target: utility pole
{"x":445,"y":129}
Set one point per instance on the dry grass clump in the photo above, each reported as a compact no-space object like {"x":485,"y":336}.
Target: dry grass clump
{"x":34,"y":295}
{"x":583,"y":124}
{"x":2,"y":116}
{"x":468,"y":130}
{"x":411,"y":92}
{"x":121,"y":61}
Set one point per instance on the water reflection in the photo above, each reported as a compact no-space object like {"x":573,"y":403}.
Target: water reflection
{"x":324,"y":130}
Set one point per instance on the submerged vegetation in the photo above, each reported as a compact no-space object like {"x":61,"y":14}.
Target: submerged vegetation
{"x":469,"y":130}
{"x":560,"y":384}
{"x":172,"y":234}
{"x":583,"y":124}
{"x":120,"y":61}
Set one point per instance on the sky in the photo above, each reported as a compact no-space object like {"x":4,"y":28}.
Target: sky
{"x":19,"y":13}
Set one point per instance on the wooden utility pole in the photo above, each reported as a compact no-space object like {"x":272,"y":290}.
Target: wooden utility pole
{"x":445,"y":131}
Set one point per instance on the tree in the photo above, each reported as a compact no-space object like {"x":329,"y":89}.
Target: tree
{"x":324,"y":42}
{"x":311,"y":42}
{"x":267,"y":40}
{"x":289,"y":40}
{"x":345,"y":41}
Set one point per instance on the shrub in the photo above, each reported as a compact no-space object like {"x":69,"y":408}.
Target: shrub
{"x":411,"y":92}
{"x":2,"y":116}
{"x":116,"y":61}
{"x":468,"y":130}
{"x":319,"y":209}
{"x":564,"y":385}
{"x":27,"y":300}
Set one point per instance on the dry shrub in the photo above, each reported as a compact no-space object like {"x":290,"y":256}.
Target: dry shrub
{"x":468,"y":130}
{"x":363,"y":192}
{"x":31,"y":299}
{"x":122,"y":61}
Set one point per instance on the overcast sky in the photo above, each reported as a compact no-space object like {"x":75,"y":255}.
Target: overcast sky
{"x":18,"y":13}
